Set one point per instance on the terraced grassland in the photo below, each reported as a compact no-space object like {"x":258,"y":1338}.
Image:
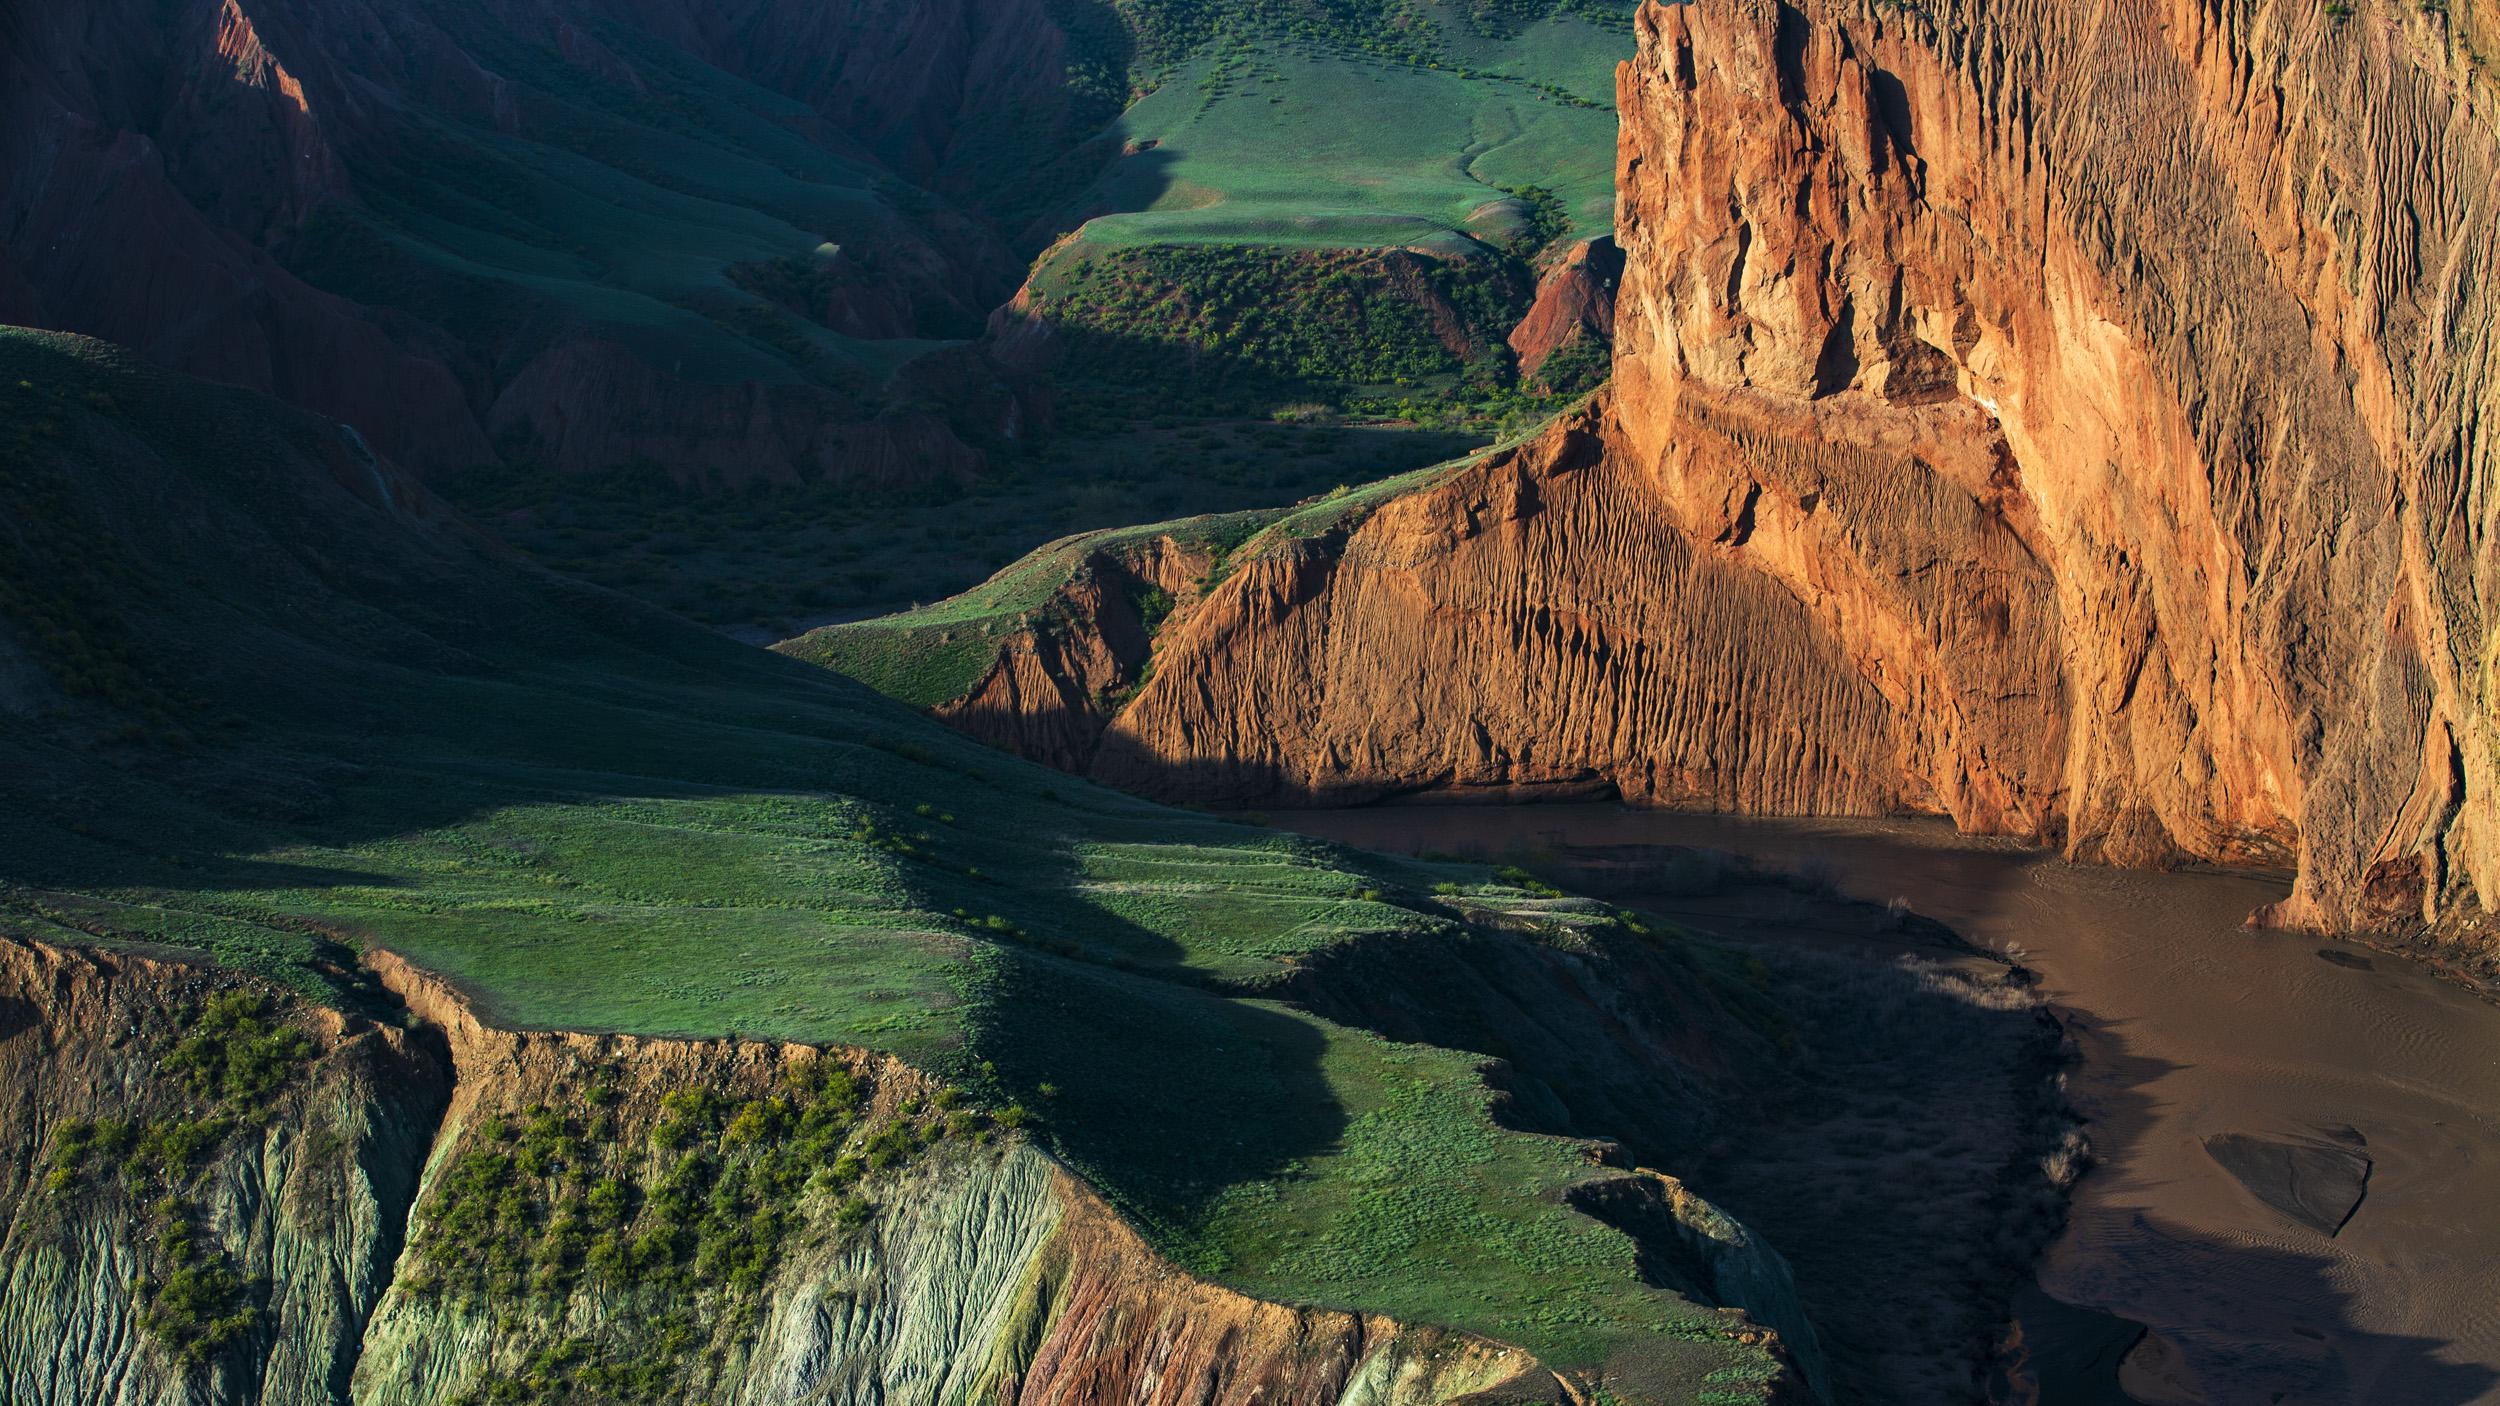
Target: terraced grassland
{"x":934,"y":653}
{"x":667,"y":212}
{"x":1338,"y":205}
{"x":592,"y":816}
{"x":692,"y":222}
{"x":1286,"y":146}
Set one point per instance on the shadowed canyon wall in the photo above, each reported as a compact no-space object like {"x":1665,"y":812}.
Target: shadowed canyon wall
{"x":385,"y":213}
{"x":2072,"y":422}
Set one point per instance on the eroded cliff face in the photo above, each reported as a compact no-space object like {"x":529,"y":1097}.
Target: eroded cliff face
{"x":2072,"y":423}
{"x":370,"y":1212}
{"x":292,"y":1205}
{"x":1055,"y":687}
{"x":2184,"y":312}
{"x":1575,"y":301}
{"x":1532,"y":624}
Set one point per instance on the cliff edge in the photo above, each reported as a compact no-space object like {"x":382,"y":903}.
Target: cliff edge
{"x":2071,"y":423}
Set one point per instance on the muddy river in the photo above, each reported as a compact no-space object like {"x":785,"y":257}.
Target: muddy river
{"x":2297,"y":1190}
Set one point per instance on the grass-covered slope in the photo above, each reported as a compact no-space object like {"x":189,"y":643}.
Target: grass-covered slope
{"x":1335,"y":203}
{"x":260,"y":699}
{"x":935,"y":654}
{"x":630,"y":190}
{"x":1278,"y":143}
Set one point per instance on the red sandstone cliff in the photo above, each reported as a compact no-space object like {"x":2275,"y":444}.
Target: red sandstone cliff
{"x":1575,"y":300}
{"x":2070,"y":422}
{"x":2170,"y":327}
{"x":1053,"y":688}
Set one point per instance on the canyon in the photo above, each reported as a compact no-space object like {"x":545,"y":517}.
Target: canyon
{"x":738,"y":244}
{"x":427,"y":977}
{"x":537,"y":996}
{"x":2070,"y":423}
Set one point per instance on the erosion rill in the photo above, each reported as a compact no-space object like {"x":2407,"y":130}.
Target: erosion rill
{"x":146,"y":1237}
{"x":2076,"y":422}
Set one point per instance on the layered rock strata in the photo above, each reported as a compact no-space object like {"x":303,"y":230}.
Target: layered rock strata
{"x":2071,"y":423}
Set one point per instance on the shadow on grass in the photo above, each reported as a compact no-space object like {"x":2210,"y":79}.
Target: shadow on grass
{"x":1165,"y":1096}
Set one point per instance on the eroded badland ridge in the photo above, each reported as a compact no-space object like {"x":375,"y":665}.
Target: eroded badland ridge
{"x":2072,"y":422}
{"x":362,"y":1231}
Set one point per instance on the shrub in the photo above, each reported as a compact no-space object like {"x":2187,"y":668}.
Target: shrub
{"x":237,"y":1050}
{"x":1153,"y":605}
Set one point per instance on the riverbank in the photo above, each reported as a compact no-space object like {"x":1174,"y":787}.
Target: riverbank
{"x":2192,"y":1035}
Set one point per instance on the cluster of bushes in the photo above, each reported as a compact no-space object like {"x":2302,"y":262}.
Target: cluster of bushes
{"x":610,"y":1366}
{"x":918,"y":846}
{"x":233,"y":1062}
{"x":1153,"y":605}
{"x":1577,"y":366}
{"x":1001,"y":928}
{"x":1160,"y":33}
{"x":552,"y":1201}
{"x":1284,"y":320}
{"x":1548,"y":219}
{"x":1499,"y":17}
{"x":237,"y":1054}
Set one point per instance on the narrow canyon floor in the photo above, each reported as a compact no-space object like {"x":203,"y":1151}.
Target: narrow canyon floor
{"x":2230,"y":1081}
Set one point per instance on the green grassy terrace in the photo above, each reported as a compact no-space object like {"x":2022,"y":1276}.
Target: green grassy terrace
{"x":286,"y":707}
{"x":934,"y":653}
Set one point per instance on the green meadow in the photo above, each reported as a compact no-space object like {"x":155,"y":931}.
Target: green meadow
{"x":1314,"y":149}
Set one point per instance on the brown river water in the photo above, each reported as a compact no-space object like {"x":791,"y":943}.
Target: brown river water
{"x":2325,"y":1070}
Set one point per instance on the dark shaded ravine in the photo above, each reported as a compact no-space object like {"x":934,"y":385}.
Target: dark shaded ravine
{"x":2320,"y":1071}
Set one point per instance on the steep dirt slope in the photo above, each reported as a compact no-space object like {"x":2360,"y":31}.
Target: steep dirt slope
{"x":291,"y":1205}
{"x":1575,"y":303}
{"x":2071,"y":423}
{"x":2183,"y":315}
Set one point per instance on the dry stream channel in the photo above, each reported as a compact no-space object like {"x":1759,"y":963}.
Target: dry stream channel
{"x":2295,"y":1195}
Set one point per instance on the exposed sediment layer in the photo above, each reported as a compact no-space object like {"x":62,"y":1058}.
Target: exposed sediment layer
{"x":2071,"y":423}
{"x":1052,"y":691}
{"x":2188,"y":307}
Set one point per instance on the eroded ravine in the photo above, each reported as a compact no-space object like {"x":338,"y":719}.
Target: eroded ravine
{"x":417,"y":1203}
{"x":2189,"y":1027}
